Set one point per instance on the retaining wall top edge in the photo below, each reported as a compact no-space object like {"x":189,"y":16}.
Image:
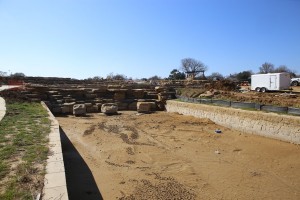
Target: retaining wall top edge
{"x":245,"y":113}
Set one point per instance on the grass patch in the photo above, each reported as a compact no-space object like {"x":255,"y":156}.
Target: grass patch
{"x":23,"y":150}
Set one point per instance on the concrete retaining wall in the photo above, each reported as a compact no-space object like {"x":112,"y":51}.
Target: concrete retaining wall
{"x":55,"y":186}
{"x":282,"y":127}
{"x":2,"y":108}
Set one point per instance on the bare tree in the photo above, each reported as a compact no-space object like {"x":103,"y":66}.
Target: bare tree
{"x":284,"y":68}
{"x":3,"y":73}
{"x":266,"y":68}
{"x":192,"y":66}
{"x":112,"y":76}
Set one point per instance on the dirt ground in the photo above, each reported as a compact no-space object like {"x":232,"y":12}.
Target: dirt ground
{"x":284,"y":98}
{"x":171,"y":156}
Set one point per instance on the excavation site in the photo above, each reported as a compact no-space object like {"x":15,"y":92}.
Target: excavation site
{"x":171,"y":156}
{"x":120,"y":140}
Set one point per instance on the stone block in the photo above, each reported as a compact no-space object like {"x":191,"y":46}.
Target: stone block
{"x":162,"y":97}
{"x":79,"y":109}
{"x":159,"y":89}
{"x":122,"y":106}
{"x":88,"y":105}
{"x":109,"y":108}
{"x":152,"y":95}
{"x":90,"y":96}
{"x":138,"y":93}
{"x":92,"y":109}
{"x":67,"y":107}
{"x":119,"y":96}
{"x":69,"y":100}
{"x":143,"y":107}
{"x":108,"y":101}
{"x":132,"y":106}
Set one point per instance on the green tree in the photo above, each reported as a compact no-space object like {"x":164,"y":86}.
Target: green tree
{"x":154,"y":78}
{"x":176,"y":75}
{"x":18,"y":74}
{"x":215,"y":76}
{"x":244,"y":76}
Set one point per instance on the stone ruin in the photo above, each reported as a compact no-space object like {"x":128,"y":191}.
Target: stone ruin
{"x":79,"y":99}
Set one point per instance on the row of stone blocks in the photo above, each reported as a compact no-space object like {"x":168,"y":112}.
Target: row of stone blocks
{"x":47,"y":94}
{"x":83,"y":108}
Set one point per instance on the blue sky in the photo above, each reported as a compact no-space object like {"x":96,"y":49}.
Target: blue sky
{"x":142,"y":38}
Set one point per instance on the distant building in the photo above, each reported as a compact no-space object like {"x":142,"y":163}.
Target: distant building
{"x":190,"y":75}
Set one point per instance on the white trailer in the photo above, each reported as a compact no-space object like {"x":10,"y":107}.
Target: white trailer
{"x":270,"y":81}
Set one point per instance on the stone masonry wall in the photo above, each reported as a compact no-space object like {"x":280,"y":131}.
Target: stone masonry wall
{"x":282,"y":127}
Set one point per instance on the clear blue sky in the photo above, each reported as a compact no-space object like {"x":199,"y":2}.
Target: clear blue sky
{"x":142,"y":38}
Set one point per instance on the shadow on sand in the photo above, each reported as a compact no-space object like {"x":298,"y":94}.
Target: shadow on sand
{"x":80,"y":181}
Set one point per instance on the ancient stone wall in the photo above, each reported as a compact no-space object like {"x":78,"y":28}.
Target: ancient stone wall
{"x":282,"y":127}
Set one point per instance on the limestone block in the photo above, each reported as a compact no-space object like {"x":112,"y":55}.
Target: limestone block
{"x":109,"y":108}
{"x":159,"y":89}
{"x":69,"y":100}
{"x":92,"y":109}
{"x":67,"y":107}
{"x":152,"y":106}
{"x":90,"y":96}
{"x":99,"y":89}
{"x":132,"y":106}
{"x":152,"y":95}
{"x":88,"y":105}
{"x":108,"y":101}
{"x":114,"y":86}
{"x":143,"y":107}
{"x":138,"y":93}
{"x":122,"y":105}
{"x":119,"y":96}
{"x":162,"y":97}
{"x":79,"y":109}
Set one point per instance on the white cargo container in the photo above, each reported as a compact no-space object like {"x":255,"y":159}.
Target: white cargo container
{"x":270,"y":81}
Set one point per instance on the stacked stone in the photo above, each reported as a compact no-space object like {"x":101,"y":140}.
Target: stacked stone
{"x":90,"y":98}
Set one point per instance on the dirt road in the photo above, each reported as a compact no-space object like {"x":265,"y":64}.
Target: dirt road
{"x":171,"y":156}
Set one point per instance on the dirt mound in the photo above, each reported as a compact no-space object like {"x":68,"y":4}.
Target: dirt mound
{"x":169,"y":189}
{"x":221,"y":85}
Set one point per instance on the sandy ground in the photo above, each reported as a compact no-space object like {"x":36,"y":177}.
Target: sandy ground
{"x":171,"y":156}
